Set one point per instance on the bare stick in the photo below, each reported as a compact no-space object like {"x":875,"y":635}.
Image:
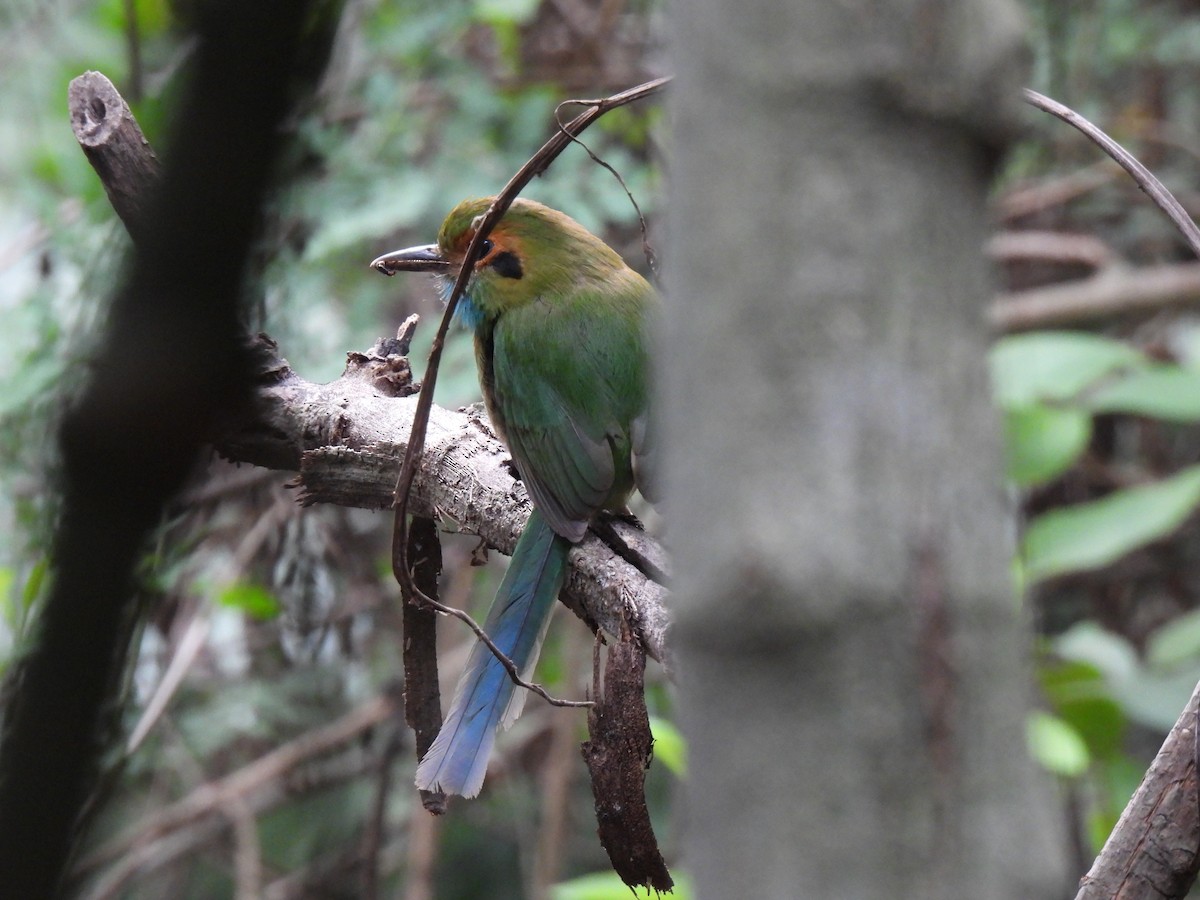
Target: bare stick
{"x":1143,"y":176}
{"x":647,"y":248}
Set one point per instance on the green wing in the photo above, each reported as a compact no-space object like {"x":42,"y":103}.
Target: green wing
{"x":570,"y":385}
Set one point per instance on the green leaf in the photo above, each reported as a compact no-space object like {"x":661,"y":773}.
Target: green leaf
{"x":1176,"y":643}
{"x":1162,"y":392}
{"x":670,"y":746}
{"x":1115,"y":783}
{"x":1054,"y":365}
{"x":1155,"y":699}
{"x":252,"y":599}
{"x":34,"y":583}
{"x":495,"y":12}
{"x":1110,"y":654}
{"x":1081,"y":696}
{"x":1056,"y":745}
{"x":391,"y":206}
{"x":608,"y":886}
{"x":33,"y":380}
{"x":9,"y":613}
{"x":1095,"y":534}
{"x":1148,"y":696}
{"x":1041,"y":442}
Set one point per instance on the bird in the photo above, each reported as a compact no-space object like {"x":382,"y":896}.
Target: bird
{"x":563,"y":330}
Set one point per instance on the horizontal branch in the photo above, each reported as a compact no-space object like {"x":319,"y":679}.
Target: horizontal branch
{"x":1114,"y":291}
{"x":1050,"y":246}
{"x":346,"y":439}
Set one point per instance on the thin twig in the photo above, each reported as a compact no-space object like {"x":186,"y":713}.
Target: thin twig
{"x":1145,"y":179}
{"x":647,"y":249}
{"x":537,"y":164}
{"x":509,"y":665}
{"x":214,"y":796}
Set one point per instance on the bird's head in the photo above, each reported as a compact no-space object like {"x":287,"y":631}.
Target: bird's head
{"x":533,"y":253}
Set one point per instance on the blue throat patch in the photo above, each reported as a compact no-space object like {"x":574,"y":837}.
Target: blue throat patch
{"x":467,"y":313}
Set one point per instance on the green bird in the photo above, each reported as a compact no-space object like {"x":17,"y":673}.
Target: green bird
{"x":562,"y":328}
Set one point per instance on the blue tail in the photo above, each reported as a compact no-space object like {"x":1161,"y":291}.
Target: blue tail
{"x":457,"y":761}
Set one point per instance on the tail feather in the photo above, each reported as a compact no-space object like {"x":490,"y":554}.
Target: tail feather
{"x":457,"y":761}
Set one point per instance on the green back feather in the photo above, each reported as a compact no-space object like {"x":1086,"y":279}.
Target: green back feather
{"x":564,"y":358}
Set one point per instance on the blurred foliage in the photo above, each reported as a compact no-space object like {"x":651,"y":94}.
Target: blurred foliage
{"x":607,"y":886}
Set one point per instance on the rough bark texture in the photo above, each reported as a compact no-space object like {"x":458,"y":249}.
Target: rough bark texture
{"x":617,"y":753}
{"x":347,"y":438}
{"x":853,"y":667}
{"x":115,"y":146}
{"x":1153,"y":852}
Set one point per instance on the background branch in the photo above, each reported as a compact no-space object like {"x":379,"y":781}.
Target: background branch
{"x":170,"y":832}
{"x":1112,"y":292}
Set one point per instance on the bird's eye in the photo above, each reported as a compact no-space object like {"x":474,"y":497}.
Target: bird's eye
{"x":486,"y":248}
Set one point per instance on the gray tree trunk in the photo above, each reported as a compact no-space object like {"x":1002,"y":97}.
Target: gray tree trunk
{"x":854,"y":673}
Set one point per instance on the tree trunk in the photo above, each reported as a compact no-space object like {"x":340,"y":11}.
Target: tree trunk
{"x":853,"y":665}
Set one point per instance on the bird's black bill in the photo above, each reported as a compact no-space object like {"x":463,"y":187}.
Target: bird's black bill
{"x":426,"y":258}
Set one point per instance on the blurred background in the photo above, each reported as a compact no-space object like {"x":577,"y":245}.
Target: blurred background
{"x":269,"y":626}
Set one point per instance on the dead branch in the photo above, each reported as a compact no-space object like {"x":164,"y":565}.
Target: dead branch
{"x":1153,"y":852}
{"x":346,"y":438}
{"x":1113,"y":292}
{"x":114,"y":145}
{"x":422,"y":698}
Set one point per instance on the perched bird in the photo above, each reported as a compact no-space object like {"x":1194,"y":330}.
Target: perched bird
{"x":561,"y":340}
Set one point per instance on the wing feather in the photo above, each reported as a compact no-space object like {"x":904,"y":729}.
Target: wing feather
{"x":569,"y":383}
